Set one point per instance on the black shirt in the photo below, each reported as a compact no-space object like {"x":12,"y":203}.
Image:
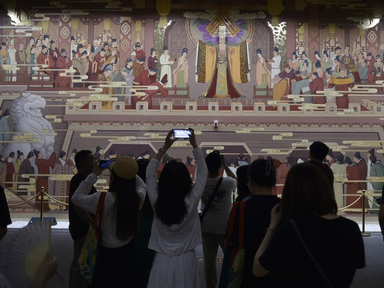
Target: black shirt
{"x":5,"y":218}
{"x":77,"y":227}
{"x":336,"y":245}
{"x":257,"y":219}
{"x":324,"y":167}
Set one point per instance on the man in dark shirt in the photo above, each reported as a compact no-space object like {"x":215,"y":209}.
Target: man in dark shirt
{"x":79,"y":219}
{"x":5,"y":218}
{"x":317,"y":152}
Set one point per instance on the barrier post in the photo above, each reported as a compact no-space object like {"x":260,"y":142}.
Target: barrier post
{"x":41,"y":203}
{"x":363,"y":233}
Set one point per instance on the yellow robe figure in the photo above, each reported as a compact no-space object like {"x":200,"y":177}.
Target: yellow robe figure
{"x":222,"y":66}
{"x":106,"y":105}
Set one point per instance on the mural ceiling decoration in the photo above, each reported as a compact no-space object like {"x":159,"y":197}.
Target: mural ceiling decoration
{"x":262,"y":78}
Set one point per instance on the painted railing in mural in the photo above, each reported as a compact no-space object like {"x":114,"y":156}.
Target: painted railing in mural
{"x":41,"y":81}
{"x":262,"y":93}
{"x":43,"y":201}
{"x":214,"y":107}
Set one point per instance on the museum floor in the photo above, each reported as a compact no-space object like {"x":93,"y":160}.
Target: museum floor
{"x":372,"y":276}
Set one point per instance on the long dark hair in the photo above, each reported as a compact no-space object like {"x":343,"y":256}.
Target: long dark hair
{"x":126,"y":206}
{"x":174,"y":185}
{"x":147,"y":207}
{"x":307,"y":191}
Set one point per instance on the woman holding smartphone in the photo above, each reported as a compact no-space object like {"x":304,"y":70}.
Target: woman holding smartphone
{"x":176,"y":230}
{"x":117,"y":262}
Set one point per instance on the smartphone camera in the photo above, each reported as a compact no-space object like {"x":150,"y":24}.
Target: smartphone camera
{"x":104,"y":164}
{"x":182,"y":133}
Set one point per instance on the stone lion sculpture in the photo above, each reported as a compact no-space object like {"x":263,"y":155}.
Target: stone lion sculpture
{"x":27,"y":117}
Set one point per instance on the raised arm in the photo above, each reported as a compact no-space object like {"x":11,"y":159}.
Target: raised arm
{"x":141,"y":189}
{"x":202,"y":171}
{"x":151,"y":179}
{"x":81,"y":197}
{"x":226,"y":168}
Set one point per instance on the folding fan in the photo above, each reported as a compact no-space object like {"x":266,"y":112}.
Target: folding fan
{"x":22,"y":253}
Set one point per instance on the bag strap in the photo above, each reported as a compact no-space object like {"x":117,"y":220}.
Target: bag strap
{"x":241,"y":224}
{"x":231,"y":223}
{"x":329,"y":284}
{"x":211,"y":199}
{"x":99,"y":212}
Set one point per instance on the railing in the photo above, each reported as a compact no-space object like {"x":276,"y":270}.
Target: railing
{"x":362,"y":195}
{"x":38,"y":81}
{"x":262,"y":93}
{"x":42,"y":81}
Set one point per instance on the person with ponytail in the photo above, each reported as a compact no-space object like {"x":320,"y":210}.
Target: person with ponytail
{"x":117,"y":262}
{"x":255,"y":219}
{"x":306,"y":243}
{"x":176,"y":230}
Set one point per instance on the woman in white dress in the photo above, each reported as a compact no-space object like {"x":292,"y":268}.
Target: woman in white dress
{"x":166,"y":62}
{"x":176,"y":230}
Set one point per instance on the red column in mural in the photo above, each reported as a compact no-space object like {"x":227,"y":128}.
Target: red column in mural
{"x":125,"y":39}
{"x":65,"y":33}
{"x":313,"y":32}
{"x":372,"y":41}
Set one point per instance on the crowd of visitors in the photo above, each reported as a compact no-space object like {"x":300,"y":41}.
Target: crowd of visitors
{"x":151,"y":224}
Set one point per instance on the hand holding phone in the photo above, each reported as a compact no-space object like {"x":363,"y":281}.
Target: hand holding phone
{"x":96,"y":168}
{"x":104,"y":164}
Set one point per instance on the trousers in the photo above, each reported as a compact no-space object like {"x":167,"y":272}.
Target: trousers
{"x":76,"y":280}
{"x":211,"y":243}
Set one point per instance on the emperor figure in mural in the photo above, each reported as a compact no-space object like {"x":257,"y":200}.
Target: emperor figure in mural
{"x":222,"y":66}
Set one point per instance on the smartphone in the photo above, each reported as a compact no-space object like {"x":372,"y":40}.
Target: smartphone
{"x":104,"y":164}
{"x":182,"y":133}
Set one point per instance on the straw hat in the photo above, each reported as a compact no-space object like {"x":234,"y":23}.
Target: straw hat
{"x":125,"y":167}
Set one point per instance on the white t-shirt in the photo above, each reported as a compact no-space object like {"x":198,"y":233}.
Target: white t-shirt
{"x":233,"y":169}
{"x":216,"y":219}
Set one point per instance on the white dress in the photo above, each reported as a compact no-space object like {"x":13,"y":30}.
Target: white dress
{"x":275,"y":68}
{"x":166,"y":69}
{"x":175,"y":263}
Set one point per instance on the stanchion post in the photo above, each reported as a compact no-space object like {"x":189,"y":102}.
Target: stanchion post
{"x":41,"y":203}
{"x":363,"y":233}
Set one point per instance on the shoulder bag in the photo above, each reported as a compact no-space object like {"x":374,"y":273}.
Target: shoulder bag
{"x":90,"y":253}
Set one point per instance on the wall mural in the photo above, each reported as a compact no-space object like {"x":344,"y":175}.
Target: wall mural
{"x":116,"y":85}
